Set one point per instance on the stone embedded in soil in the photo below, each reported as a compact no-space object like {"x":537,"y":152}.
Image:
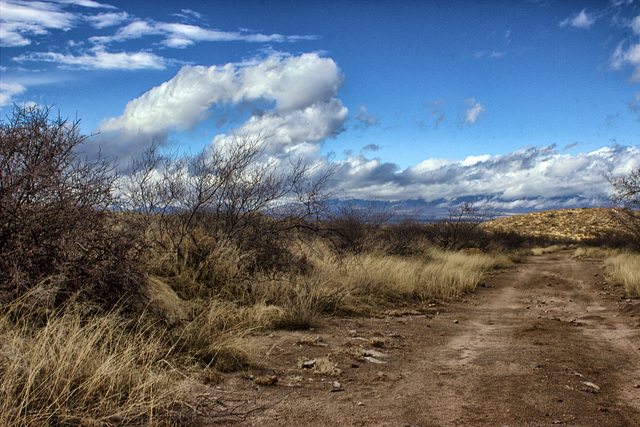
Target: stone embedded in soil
{"x":266,"y":380}
{"x":373,"y":359}
{"x":373,"y":353}
{"x":591,"y":387}
{"x":309,"y":364}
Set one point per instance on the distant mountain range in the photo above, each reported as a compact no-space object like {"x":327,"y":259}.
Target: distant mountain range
{"x":422,"y":210}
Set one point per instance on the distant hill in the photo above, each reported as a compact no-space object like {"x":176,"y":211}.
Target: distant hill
{"x":427,"y":211}
{"x":576,"y":224}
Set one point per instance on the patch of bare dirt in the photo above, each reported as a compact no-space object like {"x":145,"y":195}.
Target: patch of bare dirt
{"x":546,"y":342}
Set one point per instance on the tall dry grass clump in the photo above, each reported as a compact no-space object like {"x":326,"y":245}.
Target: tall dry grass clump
{"x":79,"y":369}
{"x":377,"y":279}
{"x":624,"y":270}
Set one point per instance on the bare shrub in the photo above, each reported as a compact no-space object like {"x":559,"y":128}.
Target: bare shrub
{"x":460,"y":229}
{"x":231,"y":194}
{"x":56,"y":230}
{"x":626,"y":202}
{"x":404,"y":238}
{"x":354,"y":228}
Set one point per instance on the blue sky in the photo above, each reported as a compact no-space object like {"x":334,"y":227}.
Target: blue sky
{"x":522,"y":103}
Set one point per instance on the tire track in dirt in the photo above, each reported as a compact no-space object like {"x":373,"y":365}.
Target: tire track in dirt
{"x":544,"y":343}
{"x":545,"y":348}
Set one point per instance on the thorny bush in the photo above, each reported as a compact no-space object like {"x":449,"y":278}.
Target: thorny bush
{"x":57,"y":233}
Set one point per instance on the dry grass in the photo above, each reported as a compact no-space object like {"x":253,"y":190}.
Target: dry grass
{"x":77,"y":369}
{"x":564,"y":224}
{"x":595,"y":252}
{"x":325,"y":366}
{"x":375,"y":280}
{"x":548,"y":249}
{"x":624,"y":270}
{"x":74,"y":367}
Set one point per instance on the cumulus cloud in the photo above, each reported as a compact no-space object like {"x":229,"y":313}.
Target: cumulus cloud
{"x":582,"y":20}
{"x":474,"y":113}
{"x":8,"y":90}
{"x":300,"y":93}
{"x":99,"y":59}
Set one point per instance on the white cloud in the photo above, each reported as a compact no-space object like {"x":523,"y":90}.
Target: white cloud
{"x":189,"y":14}
{"x":473,"y":160}
{"x":99,"y":59}
{"x":104,"y":20}
{"x":364,"y":120}
{"x":301,"y":91}
{"x":582,"y":20}
{"x":534,"y":175}
{"x":178,"y":35}
{"x":622,"y":57}
{"x":8,"y":90}
{"x":87,"y":3}
{"x":628,"y":54}
{"x":475,"y":112}
{"x":21,"y":19}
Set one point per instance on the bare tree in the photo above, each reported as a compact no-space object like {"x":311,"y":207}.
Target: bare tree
{"x":55,"y":224}
{"x":626,"y":201}
{"x":229,"y":192}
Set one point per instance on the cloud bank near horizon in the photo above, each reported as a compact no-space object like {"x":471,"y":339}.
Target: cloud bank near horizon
{"x":294,"y":102}
{"x":534,"y":177}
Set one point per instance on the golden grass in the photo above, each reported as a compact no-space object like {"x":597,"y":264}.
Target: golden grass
{"x":624,"y":270}
{"x":548,"y":249}
{"x":74,"y":367}
{"x":371,"y":280}
{"x":595,"y":252}
{"x":573,"y":224}
{"x":78,"y":369}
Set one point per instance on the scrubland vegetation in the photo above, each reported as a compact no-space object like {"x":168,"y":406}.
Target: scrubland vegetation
{"x":122,"y":294}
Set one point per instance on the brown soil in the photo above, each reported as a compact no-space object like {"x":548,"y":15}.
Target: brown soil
{"x":546,"y":342}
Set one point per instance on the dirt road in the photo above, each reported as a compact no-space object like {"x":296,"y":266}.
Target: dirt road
{"x":545,"y":342}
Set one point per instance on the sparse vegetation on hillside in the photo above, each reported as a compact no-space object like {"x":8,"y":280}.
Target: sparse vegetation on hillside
{"x":590,"y":225}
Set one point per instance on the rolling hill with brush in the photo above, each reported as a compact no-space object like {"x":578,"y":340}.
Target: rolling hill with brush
{"x":563,"y":224}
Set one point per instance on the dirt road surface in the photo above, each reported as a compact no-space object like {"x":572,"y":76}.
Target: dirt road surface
{"x":547,"y":342}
